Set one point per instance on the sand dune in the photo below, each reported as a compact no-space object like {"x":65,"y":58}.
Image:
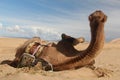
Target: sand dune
{"x":108,"y":63}
{"x":116,"y":41}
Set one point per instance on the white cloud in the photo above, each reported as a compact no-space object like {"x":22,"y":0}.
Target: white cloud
{"x":1,"y":26}
{"x":16,"y":28}
{"x":45,"y":33}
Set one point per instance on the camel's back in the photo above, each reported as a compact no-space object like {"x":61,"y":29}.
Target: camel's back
{"x":52,"y":55}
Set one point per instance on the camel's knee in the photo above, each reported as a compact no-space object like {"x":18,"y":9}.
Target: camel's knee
{"x":91,"y":65}
{"x":92,"y":62}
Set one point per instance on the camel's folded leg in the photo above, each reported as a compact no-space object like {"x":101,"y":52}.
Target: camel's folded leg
{"x":91,"y":65}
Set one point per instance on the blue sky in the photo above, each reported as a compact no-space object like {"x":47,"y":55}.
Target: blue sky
{"x":49,"y":18}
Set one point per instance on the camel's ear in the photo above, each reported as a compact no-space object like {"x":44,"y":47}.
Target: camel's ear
{"x":104,"y":19}
{"x":90,"y":18}
{"x":64,"y":36}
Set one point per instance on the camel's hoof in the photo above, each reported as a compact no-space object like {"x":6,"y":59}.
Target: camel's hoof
{"x":98,"y":15}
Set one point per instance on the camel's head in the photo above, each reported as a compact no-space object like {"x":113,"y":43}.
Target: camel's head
{"x":72,"y":40}
{"x":97,"y":16}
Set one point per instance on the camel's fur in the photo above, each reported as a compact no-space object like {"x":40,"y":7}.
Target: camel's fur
{"x":21,"y":49}
{"x":64,"y":56}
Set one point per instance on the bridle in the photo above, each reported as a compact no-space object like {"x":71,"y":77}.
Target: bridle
{"x":29,"y":60}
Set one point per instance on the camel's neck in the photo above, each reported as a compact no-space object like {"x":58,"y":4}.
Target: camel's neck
{"x":97,"y":39}
{"x":87,"y":56}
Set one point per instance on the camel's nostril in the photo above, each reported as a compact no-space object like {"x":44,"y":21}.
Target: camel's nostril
{"x":98,"y":17}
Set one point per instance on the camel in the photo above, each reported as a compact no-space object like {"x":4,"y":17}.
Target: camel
{"x":26,"y":45}
{"x":64,"y":56}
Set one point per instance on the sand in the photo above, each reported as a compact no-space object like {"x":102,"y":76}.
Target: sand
{"x":107,"y":64}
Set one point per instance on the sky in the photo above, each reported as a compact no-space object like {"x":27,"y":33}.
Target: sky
{"x":48,"y":19}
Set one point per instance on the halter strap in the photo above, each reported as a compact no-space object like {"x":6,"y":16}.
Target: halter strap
{"x":36,"y":50}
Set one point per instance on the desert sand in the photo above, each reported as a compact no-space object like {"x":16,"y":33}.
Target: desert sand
{"x":107,"y":63}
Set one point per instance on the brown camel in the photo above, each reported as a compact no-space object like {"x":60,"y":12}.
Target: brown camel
{"x":64,"y":56}
{"x":21,"y":49}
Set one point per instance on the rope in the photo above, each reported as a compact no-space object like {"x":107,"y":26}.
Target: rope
{"x":36,"y":50}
